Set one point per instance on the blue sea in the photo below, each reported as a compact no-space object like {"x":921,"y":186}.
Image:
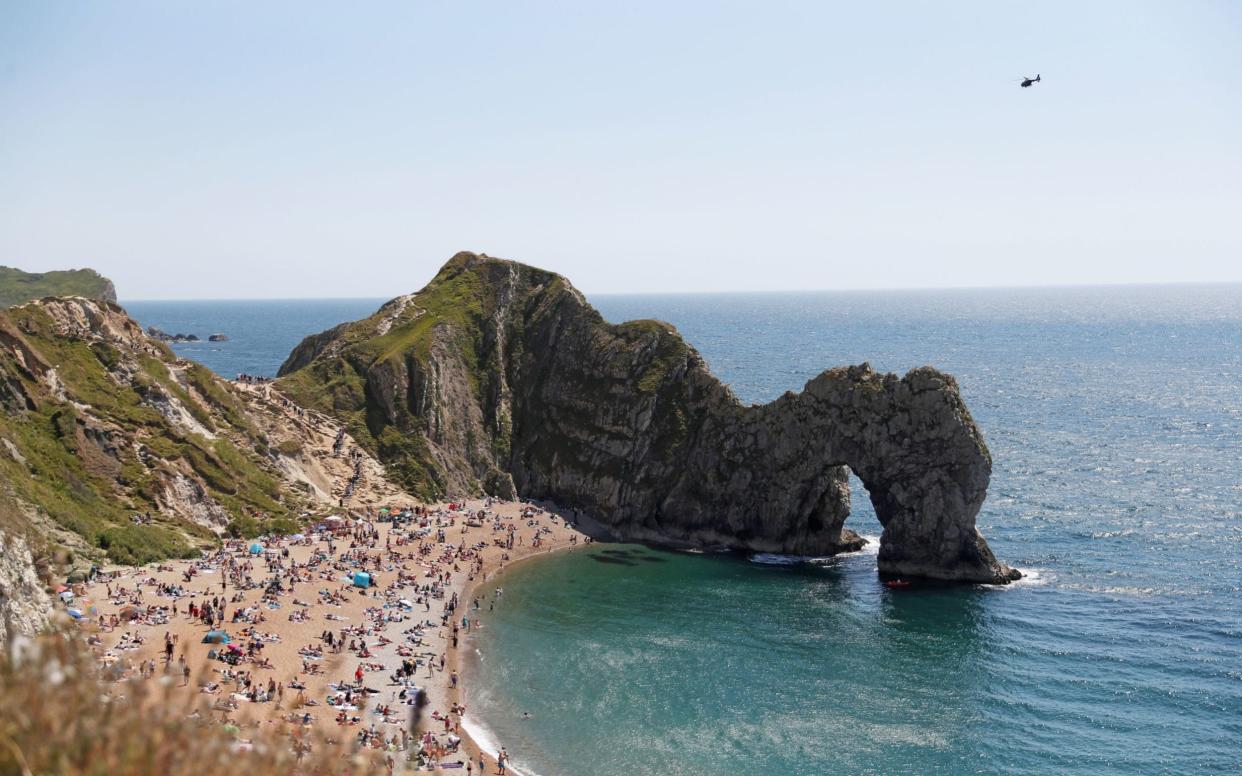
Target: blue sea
{"x":1114,"y":416}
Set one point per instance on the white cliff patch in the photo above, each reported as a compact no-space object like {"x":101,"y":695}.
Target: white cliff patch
{"x":25,"y":606}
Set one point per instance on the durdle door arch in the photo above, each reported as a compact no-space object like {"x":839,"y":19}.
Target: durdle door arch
{"x":501,"y":377}
{"x":923,"y":461}
{"x":778,"y":473}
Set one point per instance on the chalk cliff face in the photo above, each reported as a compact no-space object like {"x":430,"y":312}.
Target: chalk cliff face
{"x":25,"y":606}
{"x":499,"y":377}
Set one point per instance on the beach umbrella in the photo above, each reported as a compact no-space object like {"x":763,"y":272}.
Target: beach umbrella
{"x":130,"y":612}
{"x":75,"y":614}
{"x":298,"y":537}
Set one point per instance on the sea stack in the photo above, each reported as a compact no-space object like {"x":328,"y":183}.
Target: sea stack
{"x":500,"y":378}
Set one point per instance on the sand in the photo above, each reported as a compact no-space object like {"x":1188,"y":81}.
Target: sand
{"x":141,"y":586}
{"x":397,"y":552}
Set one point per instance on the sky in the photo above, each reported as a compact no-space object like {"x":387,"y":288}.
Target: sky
{"x":300,"y":149}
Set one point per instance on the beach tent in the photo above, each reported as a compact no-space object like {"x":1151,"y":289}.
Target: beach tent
{"x":75,"y":614}
{"x":256,"y":549}
{"x":362,"y":579}
{"x":66,"y":596}
{"x":130,"y":612}
{"x":216,"y":637}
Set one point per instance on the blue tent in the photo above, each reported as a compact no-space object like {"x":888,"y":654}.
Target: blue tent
{"x":256,"y":549}
{"x":362,"y":579}
{"x":216,"y":637}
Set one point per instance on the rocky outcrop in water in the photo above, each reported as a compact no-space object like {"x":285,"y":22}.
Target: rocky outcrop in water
{"x":499,"y":377}
{"x":176,"y":339}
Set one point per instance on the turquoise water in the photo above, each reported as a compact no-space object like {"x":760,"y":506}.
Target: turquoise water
{"x":1115,"y":420}
{"x":1114,"y":416}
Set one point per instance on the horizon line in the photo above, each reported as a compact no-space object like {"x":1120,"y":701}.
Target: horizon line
{"x":804,"y":291}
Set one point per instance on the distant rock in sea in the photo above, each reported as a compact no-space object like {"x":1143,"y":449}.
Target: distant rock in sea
{"x":18,"y":287}
{"x":218,"y":338}
{"x":499,"y":377}
{"x":163,"y":336}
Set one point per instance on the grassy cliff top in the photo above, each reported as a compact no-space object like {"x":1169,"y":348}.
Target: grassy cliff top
{"x":18,"y":287}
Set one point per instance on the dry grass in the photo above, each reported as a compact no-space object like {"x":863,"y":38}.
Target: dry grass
{"x":59,"y":716}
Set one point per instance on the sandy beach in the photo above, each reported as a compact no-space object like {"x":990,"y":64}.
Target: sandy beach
{"x":401,"y":617}
{"x":280,"y":600}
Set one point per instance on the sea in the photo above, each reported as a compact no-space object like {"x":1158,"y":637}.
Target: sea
{"x":1114,"y":417}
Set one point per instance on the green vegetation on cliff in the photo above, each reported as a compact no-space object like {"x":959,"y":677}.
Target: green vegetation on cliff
{"x":426,"y":382}
{"x":107,"y":435}
{"x":395,"y":343}
{"x":18,"y":287}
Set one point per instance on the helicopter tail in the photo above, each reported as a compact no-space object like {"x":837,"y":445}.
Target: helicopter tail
{"x":1037,"y":78}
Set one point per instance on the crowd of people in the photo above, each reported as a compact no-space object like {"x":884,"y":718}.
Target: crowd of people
{"x":372,"y":602}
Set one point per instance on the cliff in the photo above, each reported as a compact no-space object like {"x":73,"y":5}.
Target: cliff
{"x":18,"y":287}
{"x":114,"y":449}
{"x":498,"y":377}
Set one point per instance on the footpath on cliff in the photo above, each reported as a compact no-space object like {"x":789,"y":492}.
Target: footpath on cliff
{"x":344,"y":635}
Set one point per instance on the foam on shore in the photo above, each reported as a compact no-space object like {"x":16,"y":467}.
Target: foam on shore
{"x":486,"y":742}
{"x":872,"y":547}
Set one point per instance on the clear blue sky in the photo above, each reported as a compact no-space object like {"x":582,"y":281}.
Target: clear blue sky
{"x":268,"y":149}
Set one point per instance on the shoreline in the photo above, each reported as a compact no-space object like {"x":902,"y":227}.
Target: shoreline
{"x":293,"y":621}
{"x":455,"y":663}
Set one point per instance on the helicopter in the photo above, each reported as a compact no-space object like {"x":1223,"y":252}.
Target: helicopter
{"x":1028,"y":81}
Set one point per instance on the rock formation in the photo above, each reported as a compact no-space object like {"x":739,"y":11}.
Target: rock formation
{"x":498,"y":377}
{"x":176,"y":339}
{"x":25,"y":606}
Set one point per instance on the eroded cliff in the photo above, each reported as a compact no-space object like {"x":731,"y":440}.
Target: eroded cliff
{"x":117,"y":450}
{"x":499,"y":377}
